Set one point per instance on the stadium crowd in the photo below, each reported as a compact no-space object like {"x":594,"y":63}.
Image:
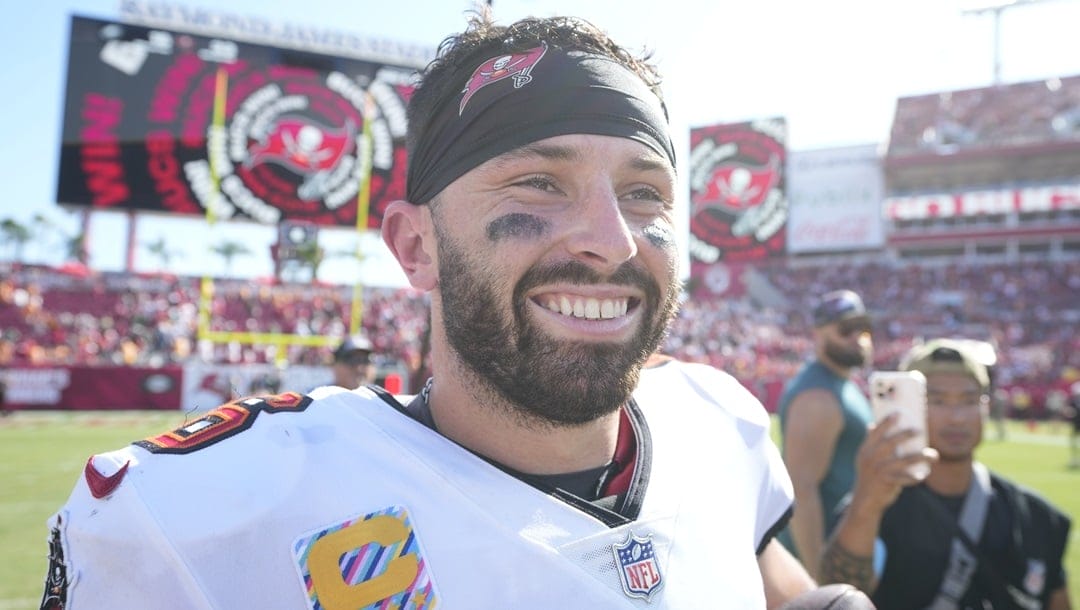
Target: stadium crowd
{"x":1029,"y":310}
{"x":1013,"y":116}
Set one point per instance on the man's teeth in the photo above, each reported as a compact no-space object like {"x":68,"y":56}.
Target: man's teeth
{"x":590,"y":309}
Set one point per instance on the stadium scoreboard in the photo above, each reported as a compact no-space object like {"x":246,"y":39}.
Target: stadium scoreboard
{"x":159,"y":120}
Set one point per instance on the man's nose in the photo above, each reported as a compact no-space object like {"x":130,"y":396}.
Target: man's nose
{"x":600,"y":236}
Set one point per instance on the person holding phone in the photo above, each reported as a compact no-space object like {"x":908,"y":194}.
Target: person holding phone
{"x":963,"y":537}
{"x":823,"y":420}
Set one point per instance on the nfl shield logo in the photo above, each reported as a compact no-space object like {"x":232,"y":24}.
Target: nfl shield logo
{"x":638,"y":568}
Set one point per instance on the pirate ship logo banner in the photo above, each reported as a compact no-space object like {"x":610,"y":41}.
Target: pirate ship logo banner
{"x":738,"y":202}
{"x":165,"y":121}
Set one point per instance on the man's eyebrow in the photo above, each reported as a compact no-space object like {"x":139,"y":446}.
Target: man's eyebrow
{"x":650,"y":164}
{"x":544,"y":151}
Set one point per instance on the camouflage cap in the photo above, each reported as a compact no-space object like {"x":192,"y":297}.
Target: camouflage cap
{"x":947,"y":356}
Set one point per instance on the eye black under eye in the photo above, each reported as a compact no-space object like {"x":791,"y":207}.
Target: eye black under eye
{"x":516,"y":225}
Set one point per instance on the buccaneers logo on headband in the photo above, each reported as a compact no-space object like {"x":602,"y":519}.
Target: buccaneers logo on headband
{"x":516,"y":66}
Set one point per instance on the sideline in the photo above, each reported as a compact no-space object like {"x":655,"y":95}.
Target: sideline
{"x":42,"y":419}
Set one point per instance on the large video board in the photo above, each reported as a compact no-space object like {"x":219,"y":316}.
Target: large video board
{"x":738,"y":198}
{"x":168,"y":121}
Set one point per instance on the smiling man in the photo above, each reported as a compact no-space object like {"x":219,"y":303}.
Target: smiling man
{"x":542,"y":465}
{"x":540,"y":218}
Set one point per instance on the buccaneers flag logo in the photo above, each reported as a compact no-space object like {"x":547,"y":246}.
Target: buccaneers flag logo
{"x":736,"y":186}
{"x":56,"y":581}
{"x":516,"y":66}
{"x":303,"y":145}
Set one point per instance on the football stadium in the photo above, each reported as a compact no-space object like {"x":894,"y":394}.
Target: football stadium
{"x":965,"y":223}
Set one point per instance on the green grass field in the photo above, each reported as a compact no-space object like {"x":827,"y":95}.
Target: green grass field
{"x":42,"y":454}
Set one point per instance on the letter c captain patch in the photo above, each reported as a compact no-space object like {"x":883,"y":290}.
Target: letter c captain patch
{"x":370,"y":562}
{"x":638,"y":568}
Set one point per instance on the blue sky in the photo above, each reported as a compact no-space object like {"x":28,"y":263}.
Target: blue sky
{"x":833,"y":68}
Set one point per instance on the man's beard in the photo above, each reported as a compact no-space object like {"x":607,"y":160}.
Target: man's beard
{"x":842,"y":356}
{"x":554,"y":381}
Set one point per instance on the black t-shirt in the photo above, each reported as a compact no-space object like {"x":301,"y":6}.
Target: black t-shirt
{"x":1022,"y":547}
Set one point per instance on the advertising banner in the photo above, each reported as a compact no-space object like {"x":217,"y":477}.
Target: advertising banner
{"x":91,"y":388}
{"x":836,"y":199}
{"x":207,"y":385}
{"x":1034,"y":199}
{"x":196,"y":386}
{"x":174,"y":122}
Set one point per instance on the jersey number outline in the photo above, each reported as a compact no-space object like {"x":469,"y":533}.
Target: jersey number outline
{"x":221,"y":423}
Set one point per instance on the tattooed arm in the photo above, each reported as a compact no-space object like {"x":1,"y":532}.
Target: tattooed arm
{"x":880,"y":476}
{"x":839,"y":565}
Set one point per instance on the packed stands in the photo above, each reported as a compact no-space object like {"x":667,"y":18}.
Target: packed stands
{"x":1029,"y":310}
{"x":999,"y":136}
{"x":996,"y":117}
{"x":117,"y":319}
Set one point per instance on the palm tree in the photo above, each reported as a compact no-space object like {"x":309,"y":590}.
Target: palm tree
{"x":51,"y":237}
{"x":75,"y":246}
{"x":229,"y":250}
{"x":356,"y":252}
{"x":160,"y":249}
{"x":16,"y":234}
{"x":44,"y":229}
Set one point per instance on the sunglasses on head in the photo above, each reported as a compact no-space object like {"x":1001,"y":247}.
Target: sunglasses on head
{"x":357,"y":358}
{"x":835,"y":307}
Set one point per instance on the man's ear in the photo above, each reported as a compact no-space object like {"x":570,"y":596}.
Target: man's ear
{"x":408,"y":232}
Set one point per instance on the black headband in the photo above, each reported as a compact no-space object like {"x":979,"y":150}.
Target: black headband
{"x":514,"y":99}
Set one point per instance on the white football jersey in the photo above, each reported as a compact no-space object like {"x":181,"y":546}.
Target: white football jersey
{"x":340,"y":500}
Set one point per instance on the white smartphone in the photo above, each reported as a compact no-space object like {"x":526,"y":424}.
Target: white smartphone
{"x":904,"y":393}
